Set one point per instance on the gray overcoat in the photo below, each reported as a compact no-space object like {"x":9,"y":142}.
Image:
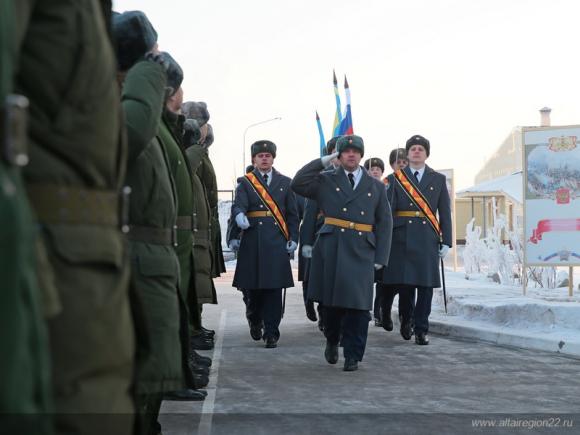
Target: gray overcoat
{"x":263,"y":262}
{"x":342,"y":264}
{"x":414,"y":256}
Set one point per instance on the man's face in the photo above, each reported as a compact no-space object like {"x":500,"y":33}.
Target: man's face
{"x":399,"y":164}
{"x":175,"y":101}
{"x":263,"y":161}
{"x":376,"y":172}
{"x":417,"y":155}
{"x":350,"y":159}
{"x":203,"y":130}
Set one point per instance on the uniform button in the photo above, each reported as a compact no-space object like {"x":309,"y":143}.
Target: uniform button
{"x":409,"y":222}
{"x":338,"y":189}
{"x":411,"y":204}
{"x":424,"y":222}
{"x":344,"y":209}
{"x":370,"y":194}
{"x":179,"y":162}
{"x":261,"y":206}
{"x":431,"y":188}
{"x":342,"y":230}
{"x":281,"y":190}
{"x":260,"y":222}
{"x":359,"y":233}
{"x":275,"y":223}
{"x":362,"y":213}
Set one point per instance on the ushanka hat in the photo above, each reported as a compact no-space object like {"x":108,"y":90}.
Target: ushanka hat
{"x":263,"y":146}
{"x":350,"y":141}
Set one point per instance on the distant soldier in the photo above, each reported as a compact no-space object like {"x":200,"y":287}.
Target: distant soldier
{"x":353,"y":242}
{"x":386,"y":293}
{"x":265,"y":210}
{"x":375,"y":168}
{"x":312,"y":221}
{"x":24,"y":365}
{"x":77,"y":164}
{"x":418,"y":195}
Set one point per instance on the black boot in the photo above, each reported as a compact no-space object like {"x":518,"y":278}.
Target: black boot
{"x":350,"y":365}
{"x":387,"y":321}
{"x":331,"y":353}
{"x":199,"y":342}
{"x":198,"y":359}
{"x":310,"y":311}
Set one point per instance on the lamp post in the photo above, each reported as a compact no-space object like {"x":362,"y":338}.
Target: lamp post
{"x":246,"y":130}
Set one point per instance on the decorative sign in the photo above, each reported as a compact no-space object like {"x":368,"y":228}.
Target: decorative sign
{"x":551,"y":196}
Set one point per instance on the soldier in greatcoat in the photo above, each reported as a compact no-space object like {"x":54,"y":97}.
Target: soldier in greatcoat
{"x":419,"y":238}
{"x":353,"y":242}
{"x":265,"y":210}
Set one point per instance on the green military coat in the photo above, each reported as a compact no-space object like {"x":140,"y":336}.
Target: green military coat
{"x":202,"y":232}
{"x":155,"y":268}
{"x":24,"y":365}
{"x":77,"y":164}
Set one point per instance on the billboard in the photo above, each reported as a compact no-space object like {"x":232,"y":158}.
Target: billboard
{"x":551,"y":196}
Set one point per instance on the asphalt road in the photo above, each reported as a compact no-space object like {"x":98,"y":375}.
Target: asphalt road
{"x":449,"y":387}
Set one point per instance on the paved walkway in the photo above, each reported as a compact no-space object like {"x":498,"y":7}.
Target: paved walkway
{"x":400,"y":388}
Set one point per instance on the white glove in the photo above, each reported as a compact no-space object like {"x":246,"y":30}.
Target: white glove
{"x":325,"y":160}
{"x":234,"y":245}
{"x":242,"y":221}
{"x":291,"y":246}
{"x":443,"y":250}
{"x":307,"y":251}
{"x":378,"y":266}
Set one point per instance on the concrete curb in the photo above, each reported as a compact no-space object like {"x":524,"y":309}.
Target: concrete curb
{"x":450,"y":326}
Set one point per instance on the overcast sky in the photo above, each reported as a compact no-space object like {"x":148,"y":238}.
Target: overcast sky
{"x":461,"y":73}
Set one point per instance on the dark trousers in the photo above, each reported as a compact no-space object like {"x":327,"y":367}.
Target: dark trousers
{"x":349,"y":326}
{"x":265,"y":305}
{"x":406,"y":300}
{"x":420,"y":314}
{"x":148,"y":406}
{"x":377,"y":310}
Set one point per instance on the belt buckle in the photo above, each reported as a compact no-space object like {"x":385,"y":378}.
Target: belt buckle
{"x":124,"y":209}
{"x":174,"y":235}
{"x":268,"y":213}
{"x":417,"y":214}
{"x":351,"y":225}
{"x":13,"y":144}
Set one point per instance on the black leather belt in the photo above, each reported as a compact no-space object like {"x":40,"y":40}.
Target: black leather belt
{"x":153,"y":235}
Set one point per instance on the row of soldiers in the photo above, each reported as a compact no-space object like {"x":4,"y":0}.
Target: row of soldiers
{"x":109,"y":235}
{"x":357,"y":228}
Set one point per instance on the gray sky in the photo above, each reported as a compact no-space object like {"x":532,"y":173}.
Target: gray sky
{"x":461,"y":73}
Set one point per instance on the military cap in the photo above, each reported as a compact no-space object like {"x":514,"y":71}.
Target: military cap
{"x":350,"y":141}
{"x":418,"y":140}
{"x":133,"y":36}
{"x":174,"y":72}
{"x":264,"y":146}
{"x":374,"y":161}
{"x":396,"y":154}
{"x":196,"y":110}
{"x":191,"y":133}
{"x":331,"y":145}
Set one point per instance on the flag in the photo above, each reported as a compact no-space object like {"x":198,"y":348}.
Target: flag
{"x":345,"y":126}
{"x":321,"y":134}
{"x":338,"y":115}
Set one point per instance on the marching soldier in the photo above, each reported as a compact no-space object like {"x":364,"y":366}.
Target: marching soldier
{"x":417,"y":194}
{"x":312,"y":222}
{"x":74,"y":179}
{"x":386,"y":293}
{"x":375,"y":168}
{"x":353,"y":242}
{"x":265,"y":210}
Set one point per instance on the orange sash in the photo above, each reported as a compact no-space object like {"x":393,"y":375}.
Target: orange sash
{"x":269,"y":202}
{"x":420,"y":201}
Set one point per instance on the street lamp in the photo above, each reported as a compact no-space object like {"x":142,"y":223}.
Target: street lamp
{"x":246,"y":130}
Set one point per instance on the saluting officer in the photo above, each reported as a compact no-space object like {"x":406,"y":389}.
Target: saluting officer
{"x":353,"y":242}
{"x":419,"y":238}
{"x":265,"y":211}
{"x":312,"y":221}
